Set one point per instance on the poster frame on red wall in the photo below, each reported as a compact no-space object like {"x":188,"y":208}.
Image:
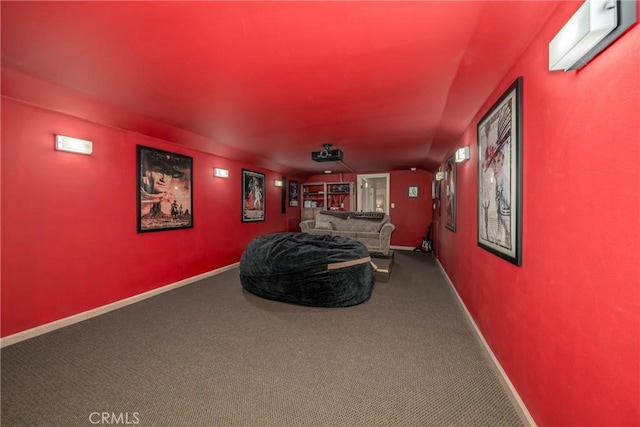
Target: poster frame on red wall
{"x":450,"y":193}
{"x":293,"y":193}
{"x":500,"y":176}
{"x":164,"y":190}
{"x":253,"y":196}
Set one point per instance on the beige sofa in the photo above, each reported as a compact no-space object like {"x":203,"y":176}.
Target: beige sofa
{"x":371,"y":228}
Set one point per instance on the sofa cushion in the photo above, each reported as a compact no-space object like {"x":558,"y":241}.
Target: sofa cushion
{"x":320,"y":232}
{"x":367,"y":235}
{"x":323,"y":225}
{"x":359,"y":225}
{"x":345,"y":222}
{"x":370,"y":226}
{"x":349,"y":234}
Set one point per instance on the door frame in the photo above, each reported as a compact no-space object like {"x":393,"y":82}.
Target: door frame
{"x":362,"y":178}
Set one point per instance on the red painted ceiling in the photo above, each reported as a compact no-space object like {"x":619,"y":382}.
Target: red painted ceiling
{"x":392,"y":84}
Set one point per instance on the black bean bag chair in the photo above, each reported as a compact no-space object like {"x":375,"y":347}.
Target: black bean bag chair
{"x":314,"y":270}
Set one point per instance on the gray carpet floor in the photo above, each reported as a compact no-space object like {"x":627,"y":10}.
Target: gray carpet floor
{"x":211,"y":354}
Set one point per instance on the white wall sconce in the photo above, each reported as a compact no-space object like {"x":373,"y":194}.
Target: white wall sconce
{"x":220,"y":173}
{"x":73,"y":145}
{"x":594,"y":26}
{"x":440,"y":175}
{"x":462,"y":154}
{"x":277,"y":183}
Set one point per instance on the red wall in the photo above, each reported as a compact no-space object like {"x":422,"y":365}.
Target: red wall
{"x":69,"y":241}
{"x":565,"y":325}
{"x":411,"y":216}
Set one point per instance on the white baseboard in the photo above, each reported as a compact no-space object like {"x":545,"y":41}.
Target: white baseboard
{"x":48,"y":327}
{"x":402,"y":248}
{"x":515,"y":397}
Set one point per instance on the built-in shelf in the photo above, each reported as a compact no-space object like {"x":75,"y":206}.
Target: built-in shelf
{"x":318,"y":196}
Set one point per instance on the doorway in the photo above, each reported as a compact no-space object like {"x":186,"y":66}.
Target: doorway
{"x":373,"y":193}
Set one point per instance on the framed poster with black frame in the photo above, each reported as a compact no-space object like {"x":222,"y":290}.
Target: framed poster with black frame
{"x":500,"y":176}
{"x":293,"y":193}
{"x":437,"y":191}
{"x":253,"y":196}
{"x":164,"y":190}
{"x":283,"y":196}
{"x":450,"y":193}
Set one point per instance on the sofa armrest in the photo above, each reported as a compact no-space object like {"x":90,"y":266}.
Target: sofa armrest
{"x":385,"y":237}
{"x":307,"y":225}
{"x":386,"y":230}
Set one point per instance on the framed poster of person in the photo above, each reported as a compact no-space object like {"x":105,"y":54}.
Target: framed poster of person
{"x":253,"y":197}
{"x":450,"y":193}
{"x":165,"y":190}
{"x":293,"y":193}
{"x":500,"y":176}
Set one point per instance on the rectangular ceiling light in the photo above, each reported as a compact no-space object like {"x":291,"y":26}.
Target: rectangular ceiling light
{"x":73,"y":145}
{"x":591,"y":23}
{"x":221,"y":173}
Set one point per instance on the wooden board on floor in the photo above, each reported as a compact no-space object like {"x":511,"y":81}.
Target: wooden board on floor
{"x":383,"y":273}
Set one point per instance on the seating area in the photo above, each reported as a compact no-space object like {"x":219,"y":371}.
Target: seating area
{"x":373,"y":229}
{"x":334,"y":262}
{"x":305,"y":269}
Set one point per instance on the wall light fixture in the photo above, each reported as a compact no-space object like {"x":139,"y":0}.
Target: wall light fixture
{"x":462,"y":154}
{"x":440,"y":175}
{"x":594,"y":26}
{"x":220,"y":173}
{"x":73,"y":145}
{"x":277,"y":182}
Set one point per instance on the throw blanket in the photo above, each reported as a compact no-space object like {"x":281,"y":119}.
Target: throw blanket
{"x":374,"y":216}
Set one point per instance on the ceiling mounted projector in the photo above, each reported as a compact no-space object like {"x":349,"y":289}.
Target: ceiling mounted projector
{"x":327,"y":155}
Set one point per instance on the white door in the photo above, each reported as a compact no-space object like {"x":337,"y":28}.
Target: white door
{"x":373,"y":193}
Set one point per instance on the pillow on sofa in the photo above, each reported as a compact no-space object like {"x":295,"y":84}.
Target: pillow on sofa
{"x":322,"y":225}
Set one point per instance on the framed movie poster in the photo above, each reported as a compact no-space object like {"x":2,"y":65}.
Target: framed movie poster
{"x":283,"y":196}
{"x":252,"y":196}
{"x":165,"y":190}
{"x":500,"y":176}
{"x":437,"y":192}
{"x":450,"y":193}
{"x":293,"y":193}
